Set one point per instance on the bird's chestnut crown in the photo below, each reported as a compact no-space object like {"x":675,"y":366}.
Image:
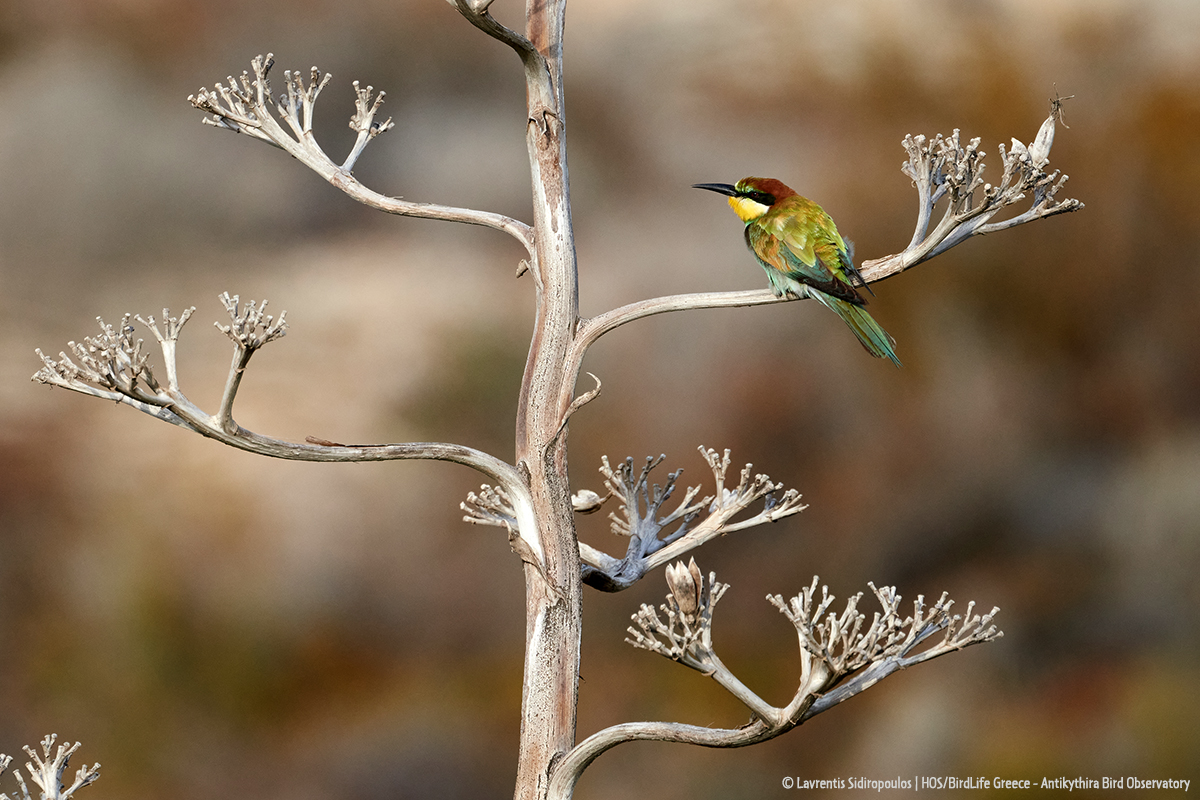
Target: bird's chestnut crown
{"x":757,"y":195}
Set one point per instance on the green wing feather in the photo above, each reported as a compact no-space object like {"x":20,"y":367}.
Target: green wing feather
{"x":874,"y":338}
{"x":803,"y":254}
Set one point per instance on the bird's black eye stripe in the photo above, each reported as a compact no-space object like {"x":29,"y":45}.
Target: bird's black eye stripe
{"x":760,"y":197}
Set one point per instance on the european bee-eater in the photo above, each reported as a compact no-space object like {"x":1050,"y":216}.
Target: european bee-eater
{"x":803,"y":254}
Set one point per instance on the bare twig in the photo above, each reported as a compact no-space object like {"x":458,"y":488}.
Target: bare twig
{"x":113,"y":366}
{"x":249,"y":331}
{"x":476,"y":12}
{"x":244,"y":106}
{"x":567,"y":771}
{"x":581,"y":401}
{"x":363,"y":122}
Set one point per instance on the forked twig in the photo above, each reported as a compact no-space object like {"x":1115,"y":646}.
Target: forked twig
{"x":245,"y":105}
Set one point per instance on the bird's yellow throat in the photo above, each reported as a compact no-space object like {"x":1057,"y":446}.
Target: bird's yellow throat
{"x":747,"y":209}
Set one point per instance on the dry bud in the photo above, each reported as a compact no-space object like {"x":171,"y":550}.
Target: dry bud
{"x":687,"y":585}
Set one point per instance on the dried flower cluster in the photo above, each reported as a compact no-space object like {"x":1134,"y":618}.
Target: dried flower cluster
{"x":696,"y":521}
{"x":46,"y":772}
{"x":686,"y":633}
{"x":943,"y":168}
{"x":114,"y":366}
{"x":835,"y":646}
{"x":244,"y":106}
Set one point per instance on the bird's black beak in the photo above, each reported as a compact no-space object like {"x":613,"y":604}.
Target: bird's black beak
{"x":719,"y":188}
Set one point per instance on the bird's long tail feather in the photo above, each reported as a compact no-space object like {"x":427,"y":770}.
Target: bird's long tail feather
{"x":874,"y":339}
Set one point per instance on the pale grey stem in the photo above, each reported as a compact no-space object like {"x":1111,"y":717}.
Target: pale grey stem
{"x":364,"y":123}
{"x":569,"y":769}
{"x":245,"y":105}
{"x":592,"y":329}
{"x":112,"y":366}
{"x":224,"y":417}
{"x":476,"y":12}
{"x":730,"y":683}
{"x":250,"y":328}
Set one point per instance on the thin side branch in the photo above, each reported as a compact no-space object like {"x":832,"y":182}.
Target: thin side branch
{"x":476,"y":12}
{"x":568,"y":771}
{"x":841,"y":655}
{"x":942,"y":170}
{"x":245,"y":106}
{"x":249,"y":331}
{"x":685,"y":635}
{"x":114,"y":366}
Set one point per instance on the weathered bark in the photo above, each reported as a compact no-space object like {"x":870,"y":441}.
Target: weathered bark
{"x":553,"y":589}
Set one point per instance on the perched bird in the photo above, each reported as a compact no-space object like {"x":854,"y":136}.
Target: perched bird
{"x":803,"y":254}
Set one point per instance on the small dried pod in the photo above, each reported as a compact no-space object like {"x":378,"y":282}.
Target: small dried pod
{"x":1039,"y":149}
{"x":687,"y":587}
{"x":585,"y":501}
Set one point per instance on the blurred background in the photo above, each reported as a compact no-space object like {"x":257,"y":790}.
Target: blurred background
{"x":210,"y":623}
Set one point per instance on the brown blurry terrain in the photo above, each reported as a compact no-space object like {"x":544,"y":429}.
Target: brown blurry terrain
{"x":209,"y":623}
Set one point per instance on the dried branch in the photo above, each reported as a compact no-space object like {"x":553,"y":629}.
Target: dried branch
{"x":570,"y":768}
{"x":244,"y":106}
{"x":686,"y":633}
{"x":113,"y":366}
{"x":837,"y":645}
{"x":48,"y":772}
{"x":579,"y":402}
{"x":363,"y":122}
{"x":835,"y":648}
{"x":249,"y":331}
{"x":695,"y":521}
{"x":941,"y":169}
{"x":476,"y":12}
